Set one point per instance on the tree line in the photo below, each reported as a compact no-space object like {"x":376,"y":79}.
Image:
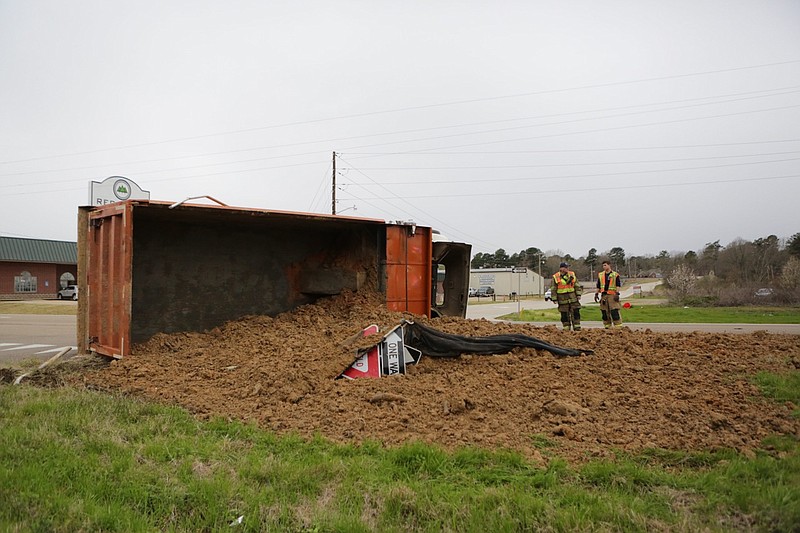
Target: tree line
{"x":763,"y":261}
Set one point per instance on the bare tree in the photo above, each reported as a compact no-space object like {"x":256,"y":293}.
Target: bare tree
{"x":790,"y":276}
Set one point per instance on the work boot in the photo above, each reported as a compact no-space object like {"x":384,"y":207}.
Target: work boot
{"x":565,"y":325}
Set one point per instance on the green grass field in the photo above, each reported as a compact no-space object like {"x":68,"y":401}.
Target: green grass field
{"x":39,"y":308}
{"x":672,"y":314}
{"x":77,"y":460}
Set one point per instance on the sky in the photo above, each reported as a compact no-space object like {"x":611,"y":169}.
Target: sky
{"x":644,"y":125}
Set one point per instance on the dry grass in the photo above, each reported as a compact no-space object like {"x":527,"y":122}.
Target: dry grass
{"x":47,"y":307}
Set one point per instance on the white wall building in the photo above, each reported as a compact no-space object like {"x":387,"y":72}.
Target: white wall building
{"x":504,"y":281}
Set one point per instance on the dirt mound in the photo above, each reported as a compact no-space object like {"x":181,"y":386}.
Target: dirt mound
{"x":640,"y":389}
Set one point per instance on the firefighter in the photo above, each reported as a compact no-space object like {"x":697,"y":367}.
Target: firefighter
{"x":566,"y":292}
{"x":607,"y":293}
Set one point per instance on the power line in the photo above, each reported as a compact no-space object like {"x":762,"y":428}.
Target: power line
{"x":597,"y":130}
{"x":171,"y":179}
{"x":559,"y":123}
{"x":595,"y":163}
{"x":596,"y":175}
{"x":572,"y":190}
{"x":411,"y":108}
{"x":229,"y":172}
{"x":418,"y":130}
{"x":320,"y":188}
{"x":580,"y":150}
{"x":441,"y":222}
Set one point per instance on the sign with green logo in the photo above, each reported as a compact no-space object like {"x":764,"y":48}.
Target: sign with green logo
{"x":115,"y":189}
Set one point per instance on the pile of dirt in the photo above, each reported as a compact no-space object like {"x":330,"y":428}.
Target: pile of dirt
{"x":639,"y":389}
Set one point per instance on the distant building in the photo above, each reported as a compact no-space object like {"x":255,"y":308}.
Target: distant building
{"x":505,"y":281}
{"x":35,"y":268}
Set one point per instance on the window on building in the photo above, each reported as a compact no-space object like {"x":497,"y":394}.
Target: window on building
{"x":66,"y":279}
{"x":25,"y":282}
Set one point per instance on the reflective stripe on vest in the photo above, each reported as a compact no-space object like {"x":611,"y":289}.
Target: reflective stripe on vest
{"x":561,"y":282}
{"x":612,"y":282}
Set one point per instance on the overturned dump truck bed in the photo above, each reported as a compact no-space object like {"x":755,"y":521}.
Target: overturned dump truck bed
{"x":148,"y":267}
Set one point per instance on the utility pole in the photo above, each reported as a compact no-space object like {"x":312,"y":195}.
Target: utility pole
{"x":333,"y":186}
{"x":540,"y":273}
{"x":519,"y":271}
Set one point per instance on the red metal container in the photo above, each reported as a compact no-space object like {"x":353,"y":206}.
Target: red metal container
{"x":147,"y":267}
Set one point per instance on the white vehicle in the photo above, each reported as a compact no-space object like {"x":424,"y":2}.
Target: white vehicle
{"x":548,"y":295}
{"x":70,"y":292}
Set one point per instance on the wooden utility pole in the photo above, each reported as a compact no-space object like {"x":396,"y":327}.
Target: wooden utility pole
{"x":333,"y":187}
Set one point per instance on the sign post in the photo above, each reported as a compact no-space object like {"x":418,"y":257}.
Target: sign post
{"x":519,"y":271}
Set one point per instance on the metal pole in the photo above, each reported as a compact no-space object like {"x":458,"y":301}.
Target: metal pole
{"x":519,"y":292}
{"x":333,"y":186}
{"x":540,"y":274}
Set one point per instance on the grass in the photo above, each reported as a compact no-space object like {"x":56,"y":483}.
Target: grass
{"x":782,"y":389}
{"x":76,"y":460}
{"x":38,"y":308}
{"x":673,"y":314}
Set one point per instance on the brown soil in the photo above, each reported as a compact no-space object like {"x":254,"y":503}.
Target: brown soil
{"x":639,"y":390}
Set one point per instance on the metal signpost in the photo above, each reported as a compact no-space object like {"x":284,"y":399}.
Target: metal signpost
{"x":519,"y":271}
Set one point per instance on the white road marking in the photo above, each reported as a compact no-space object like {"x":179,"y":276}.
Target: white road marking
{"x":27,"y":347}
{"x":9,"y":344}
{"x":54,"y":350}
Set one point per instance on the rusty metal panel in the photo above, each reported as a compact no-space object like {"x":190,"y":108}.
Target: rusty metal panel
{"x":191,"y":268}
{"x":108,"y":279}
{"x":408,"y":269}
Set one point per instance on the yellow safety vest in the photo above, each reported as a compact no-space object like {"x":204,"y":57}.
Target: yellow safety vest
{"x":561,"y":281}
{"x":613,"y":288}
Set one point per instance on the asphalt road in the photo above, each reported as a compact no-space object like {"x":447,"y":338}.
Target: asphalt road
{"x":481,"y":309}
{"x":26,"y":337}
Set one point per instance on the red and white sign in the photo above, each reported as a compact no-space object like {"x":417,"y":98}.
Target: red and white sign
{"x":389,"y":357}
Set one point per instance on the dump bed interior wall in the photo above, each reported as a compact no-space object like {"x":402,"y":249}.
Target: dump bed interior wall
{"x":194,"y":269}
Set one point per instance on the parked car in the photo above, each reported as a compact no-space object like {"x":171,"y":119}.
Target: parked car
{"x":70,"y":292}
{"x":764,"y":292}
{"x":484,"y":291}
{"x":472,"y":292}
{"x":548,"y":295}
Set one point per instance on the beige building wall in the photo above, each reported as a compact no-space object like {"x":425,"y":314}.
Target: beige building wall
{"x":504,"y":281}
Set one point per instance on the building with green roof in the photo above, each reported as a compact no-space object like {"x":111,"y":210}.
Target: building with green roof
{"x":36,"y":268}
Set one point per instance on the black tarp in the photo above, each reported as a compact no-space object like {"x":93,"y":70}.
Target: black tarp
{"x":436,"y":343}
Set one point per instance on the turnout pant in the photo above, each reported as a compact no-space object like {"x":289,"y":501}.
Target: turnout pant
{"x":609,"y":308}
{"x":570,"y":315}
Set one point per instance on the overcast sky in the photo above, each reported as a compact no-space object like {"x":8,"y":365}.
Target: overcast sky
{"x":648,"y":125}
